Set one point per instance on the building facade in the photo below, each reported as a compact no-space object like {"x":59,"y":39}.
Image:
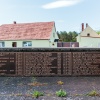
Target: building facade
{"x":40,"y":34}
{"x":88,"y":37}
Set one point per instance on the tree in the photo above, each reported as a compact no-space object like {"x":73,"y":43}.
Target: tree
{"x":98,"y":32}
{"x":63,"y":36}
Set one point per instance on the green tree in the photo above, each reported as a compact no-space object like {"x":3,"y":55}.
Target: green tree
{"x":98,"y":32}
{"x":63,"y":36}
{"x":67,"y":37}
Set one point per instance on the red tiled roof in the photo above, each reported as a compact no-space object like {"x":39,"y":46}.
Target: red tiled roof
{"x":26,"y":31}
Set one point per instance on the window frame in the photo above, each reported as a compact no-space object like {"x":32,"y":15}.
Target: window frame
{"x":26,"y":43}
{"x":3,"y":44}
{"x":14,"y":44}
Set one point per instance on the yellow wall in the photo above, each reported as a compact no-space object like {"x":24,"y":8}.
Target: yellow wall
{"x":90,"y":31}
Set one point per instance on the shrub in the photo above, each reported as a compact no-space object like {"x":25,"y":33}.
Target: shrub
{"x":61,"y":93}
{"x":37,"y":94}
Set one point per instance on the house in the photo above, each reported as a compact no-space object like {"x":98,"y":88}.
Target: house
{"x":88,"y":37}
{"x":39,"y":34}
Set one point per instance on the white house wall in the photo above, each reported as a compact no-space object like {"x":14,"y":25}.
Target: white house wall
{"x":52,"y":38}
{"x":78,"y":38}
{"x":89,"y":42}
{"x":56,"y":36}
{"x":35,"y":43}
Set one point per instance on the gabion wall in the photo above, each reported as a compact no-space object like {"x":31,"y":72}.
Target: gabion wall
{"x":49,"y":61}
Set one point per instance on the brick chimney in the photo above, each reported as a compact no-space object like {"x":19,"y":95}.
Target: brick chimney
{"x":86,"y":24}
{"x":82,"y":26}
{"x":14,"y":22}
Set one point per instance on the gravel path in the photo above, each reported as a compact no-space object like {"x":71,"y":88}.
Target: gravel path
{"x":18,"y":88}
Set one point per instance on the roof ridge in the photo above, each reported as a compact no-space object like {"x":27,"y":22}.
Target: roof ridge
{"x":27,"y":23}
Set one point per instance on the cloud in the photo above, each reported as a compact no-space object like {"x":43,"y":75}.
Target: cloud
{"x":61,"y":3}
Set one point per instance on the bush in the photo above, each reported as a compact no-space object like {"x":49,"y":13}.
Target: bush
{"x":37,"y":94}
{"x":61,"y":93}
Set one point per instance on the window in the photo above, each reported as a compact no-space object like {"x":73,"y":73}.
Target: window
{"x":14,"y":44}
{"x":88,"y":34}
{"x":2,"y":44}
{"x":56,"y":40}
{"x":27,"y":44}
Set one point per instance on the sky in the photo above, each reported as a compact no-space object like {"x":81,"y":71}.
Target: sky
{"x":67,"y":14}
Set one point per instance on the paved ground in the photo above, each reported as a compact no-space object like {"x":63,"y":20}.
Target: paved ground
{"x":18,"y":88}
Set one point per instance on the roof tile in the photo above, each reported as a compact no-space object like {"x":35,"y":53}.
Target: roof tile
{"x":26,"y":31}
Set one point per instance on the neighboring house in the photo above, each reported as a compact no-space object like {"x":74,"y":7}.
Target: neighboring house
{"x":40,"y":34}
{"x":88,"y":37}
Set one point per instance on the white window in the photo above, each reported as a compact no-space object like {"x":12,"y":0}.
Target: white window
{"x":2,"y":44}
{"x":27,"y":44}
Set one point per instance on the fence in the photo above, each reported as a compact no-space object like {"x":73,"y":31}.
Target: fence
{"x":49,"y":61}
{"x":68,"y":44}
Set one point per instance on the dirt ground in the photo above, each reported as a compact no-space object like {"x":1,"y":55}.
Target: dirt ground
{"x":21,"y":88}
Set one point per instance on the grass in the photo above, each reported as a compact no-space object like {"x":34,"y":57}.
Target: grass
{"x":37,"y":84}
{"x":93,"y":93}
{"x":60,"y":82}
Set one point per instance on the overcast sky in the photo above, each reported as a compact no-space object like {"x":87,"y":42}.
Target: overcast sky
{"x":67,"y":14}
